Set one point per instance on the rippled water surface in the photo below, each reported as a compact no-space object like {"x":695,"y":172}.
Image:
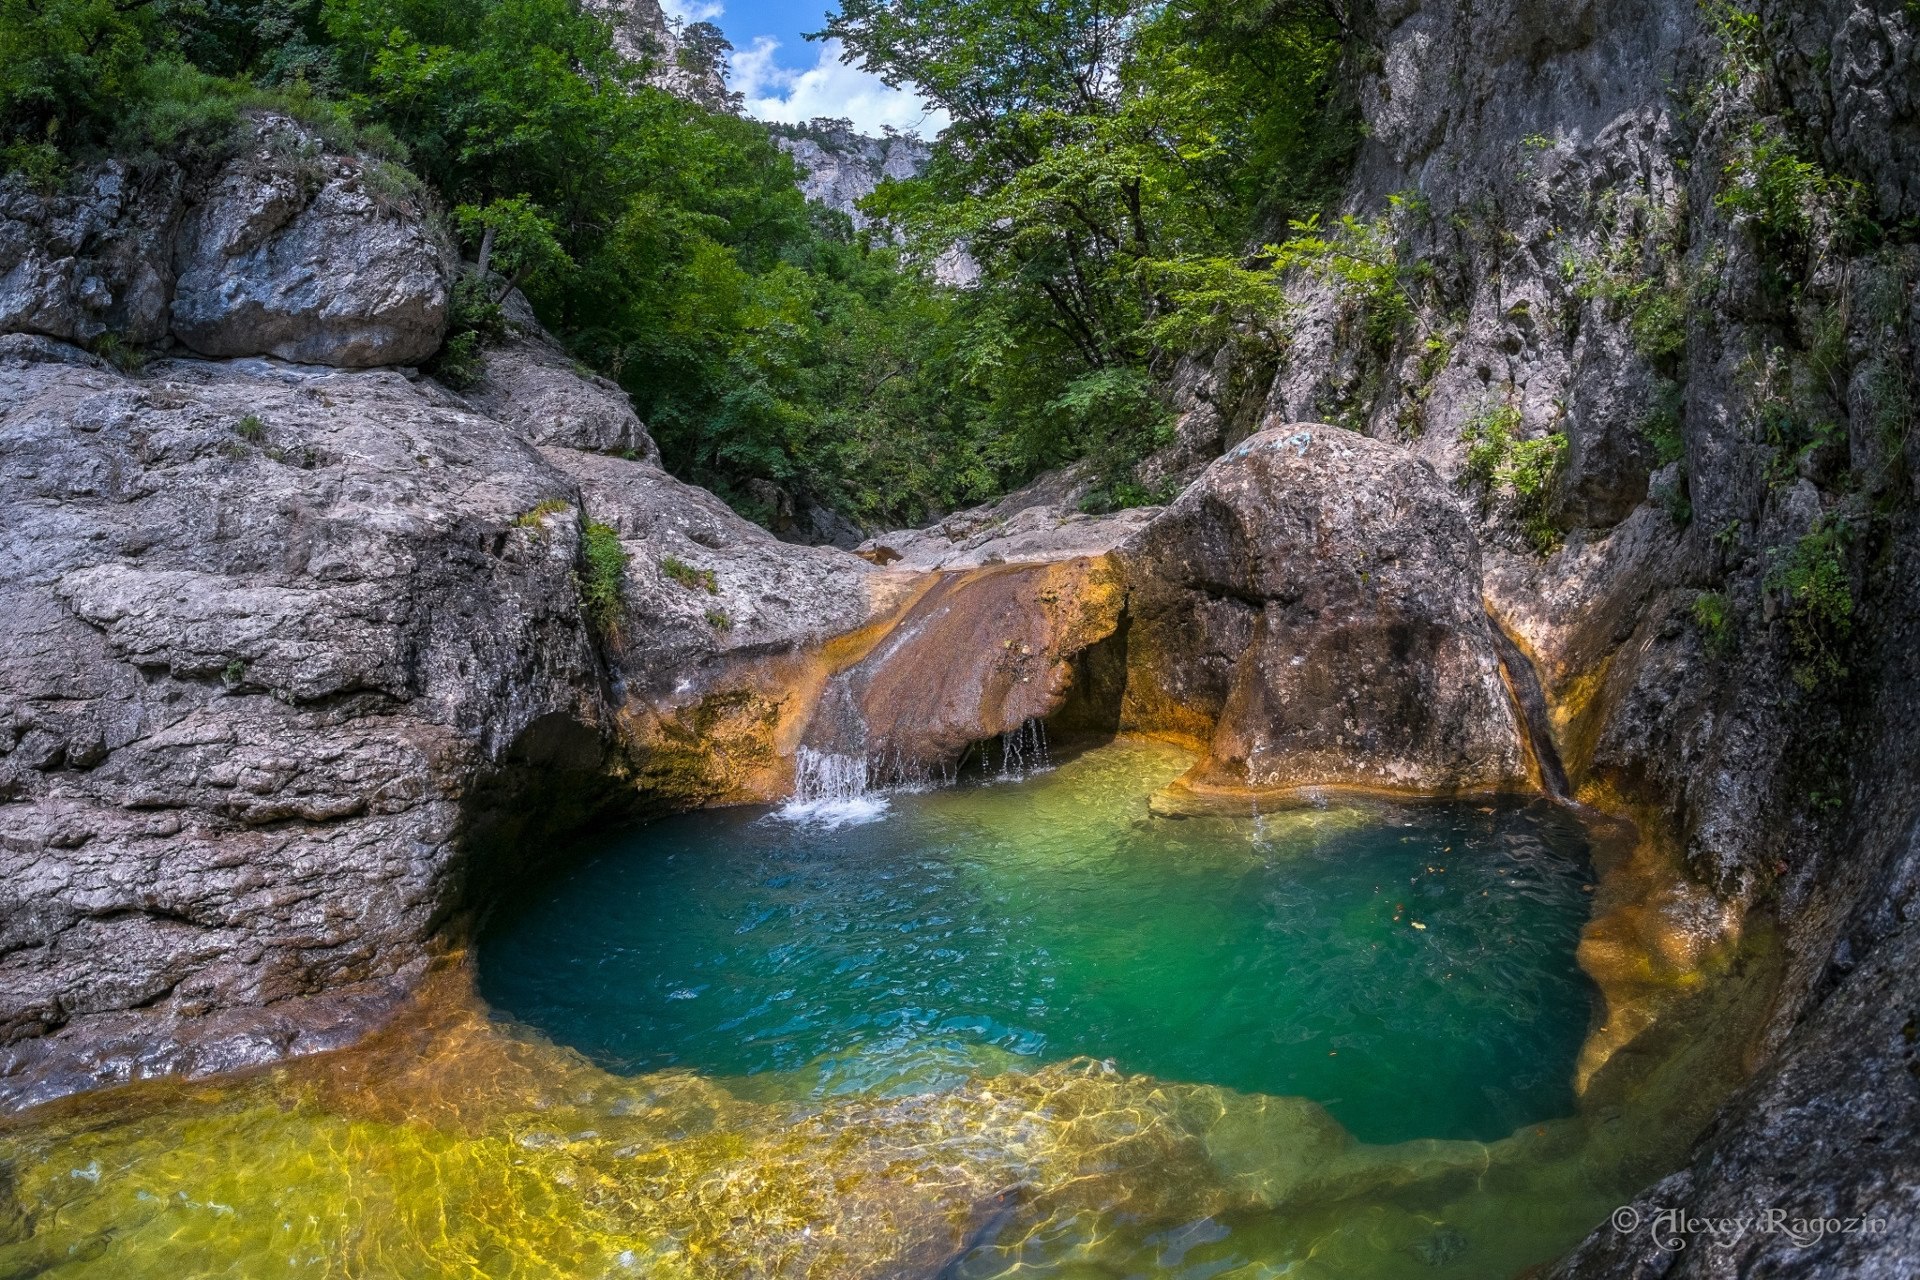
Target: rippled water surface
{"x":1019,"y":1029}
{"x":1411,"y":968}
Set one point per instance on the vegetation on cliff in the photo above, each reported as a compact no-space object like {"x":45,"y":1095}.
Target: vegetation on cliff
{"x":1107,"y":167}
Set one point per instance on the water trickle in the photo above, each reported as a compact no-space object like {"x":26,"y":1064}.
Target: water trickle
{"x":1024,"y":751}
{"x":1530,"y":705}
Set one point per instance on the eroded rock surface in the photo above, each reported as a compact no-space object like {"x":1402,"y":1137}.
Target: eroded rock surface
{"x":1309,"y":614}
{"x":289,"y":249}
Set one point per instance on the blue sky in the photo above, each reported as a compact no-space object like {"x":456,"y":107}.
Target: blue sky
{"x":785,"y":77}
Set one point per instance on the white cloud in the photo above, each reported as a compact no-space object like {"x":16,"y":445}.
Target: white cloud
{"x":828,"y":88}
{"x":693,"y":10}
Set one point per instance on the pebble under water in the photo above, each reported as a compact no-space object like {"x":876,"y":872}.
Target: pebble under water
{"x":1409,"y":967}
{"x":1008,"y":1029}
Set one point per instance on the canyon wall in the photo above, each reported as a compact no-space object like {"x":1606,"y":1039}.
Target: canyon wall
{"x":1658,"y":336}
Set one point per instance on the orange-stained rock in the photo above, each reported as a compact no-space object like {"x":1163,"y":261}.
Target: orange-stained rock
{"x":979,"y":654}
{"x":1309,"y":614}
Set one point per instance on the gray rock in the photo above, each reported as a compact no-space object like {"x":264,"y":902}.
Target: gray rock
{"x":280,"y":651}
{"x":305,"y":256}
{"x":94,"y":259}
{"x":1309,"y":614}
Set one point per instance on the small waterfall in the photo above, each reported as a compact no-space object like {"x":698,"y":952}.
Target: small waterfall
{"x":1530,"y":705}
{"x":825,"y":775}
{"x":831,"y":789}
{"x":1023,"y":751}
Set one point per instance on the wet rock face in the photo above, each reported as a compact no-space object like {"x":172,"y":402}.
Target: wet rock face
{"x":1309,"y":612}
{"x":977,"y":654}
{"x":287,"y":251}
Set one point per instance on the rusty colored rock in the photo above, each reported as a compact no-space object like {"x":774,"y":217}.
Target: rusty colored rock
{"x":978,"y":654}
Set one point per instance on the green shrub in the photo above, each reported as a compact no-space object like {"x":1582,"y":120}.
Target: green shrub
{"x":475,"y":321}
{"x":1488,"y":436}
{"x":251,"y":429}
{"x":462,"y":362}
{"x":120,"y":353}
{"x":603,"y":586}
{"x":718,"y":620}
{"x":1817,"y":589}
{"x":1713,"y":614}
{"x":1361,"y":260}
{"x":689,"y":577}
{"x":1662,"y":427}
{"x":1534,"y":475}
{"x":1527,"y":471}
{"x":535,"y":518}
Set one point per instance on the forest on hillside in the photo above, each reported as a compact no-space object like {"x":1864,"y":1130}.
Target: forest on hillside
{"x":1132,"y":178}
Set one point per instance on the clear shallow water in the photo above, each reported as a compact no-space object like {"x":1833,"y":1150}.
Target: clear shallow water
{"x":930,"y":1122}
{"x":1409,"y":967}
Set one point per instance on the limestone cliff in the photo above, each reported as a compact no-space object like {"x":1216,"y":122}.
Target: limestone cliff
{"x":689,"y":60}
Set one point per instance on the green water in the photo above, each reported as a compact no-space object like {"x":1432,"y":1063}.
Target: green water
{"x":1014,"y":1030}
{"x":1411,"y":968}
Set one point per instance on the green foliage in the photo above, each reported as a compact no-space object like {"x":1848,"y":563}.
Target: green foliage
{"x":1361,"y":260}
{"x":1488,"y":435}
{"x":1107,"y":168}
{"x":1817,"y":589}
{"x":1783,"y":200}
{"x":475,"y":321}
{"x":1526,"y":472}
{"x":1713,"y":614}
{"x":461,"y":361}
{"x":1640,"y":277}
{"x":719,"y":620}
{"x":603,"y":583}
{"x":535,"y":517}
{"x":689,"y":577}
{"x":120,"y":353}
{"x":1662,"y":428}
{"x":251,"y":429}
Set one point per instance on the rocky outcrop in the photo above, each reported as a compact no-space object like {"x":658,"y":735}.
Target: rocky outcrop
{"x":297,"y":673}
{"x":323,"y":260}
{"x":840,"y":167}
{"x":264,"y":625}
{"x":289,"y":249}
{"x":1309,"y":614}
{"x":977,"y":654}
{"x":687,"y":61}
{"x":533,"y":385}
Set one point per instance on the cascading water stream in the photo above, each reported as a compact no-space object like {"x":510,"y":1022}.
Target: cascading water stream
{"x":1530,"y":705}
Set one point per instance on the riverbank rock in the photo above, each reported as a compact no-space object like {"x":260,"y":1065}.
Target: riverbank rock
{"x":1309,"y":614}
{"x":975,"y":655}
{"x":294,"y":671}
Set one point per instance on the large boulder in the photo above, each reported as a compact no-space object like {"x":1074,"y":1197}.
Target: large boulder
{"x":291,"y":248}
{"x":261,"y":628}
{"x":319,"y":258}
{"x":1309,"y":614}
